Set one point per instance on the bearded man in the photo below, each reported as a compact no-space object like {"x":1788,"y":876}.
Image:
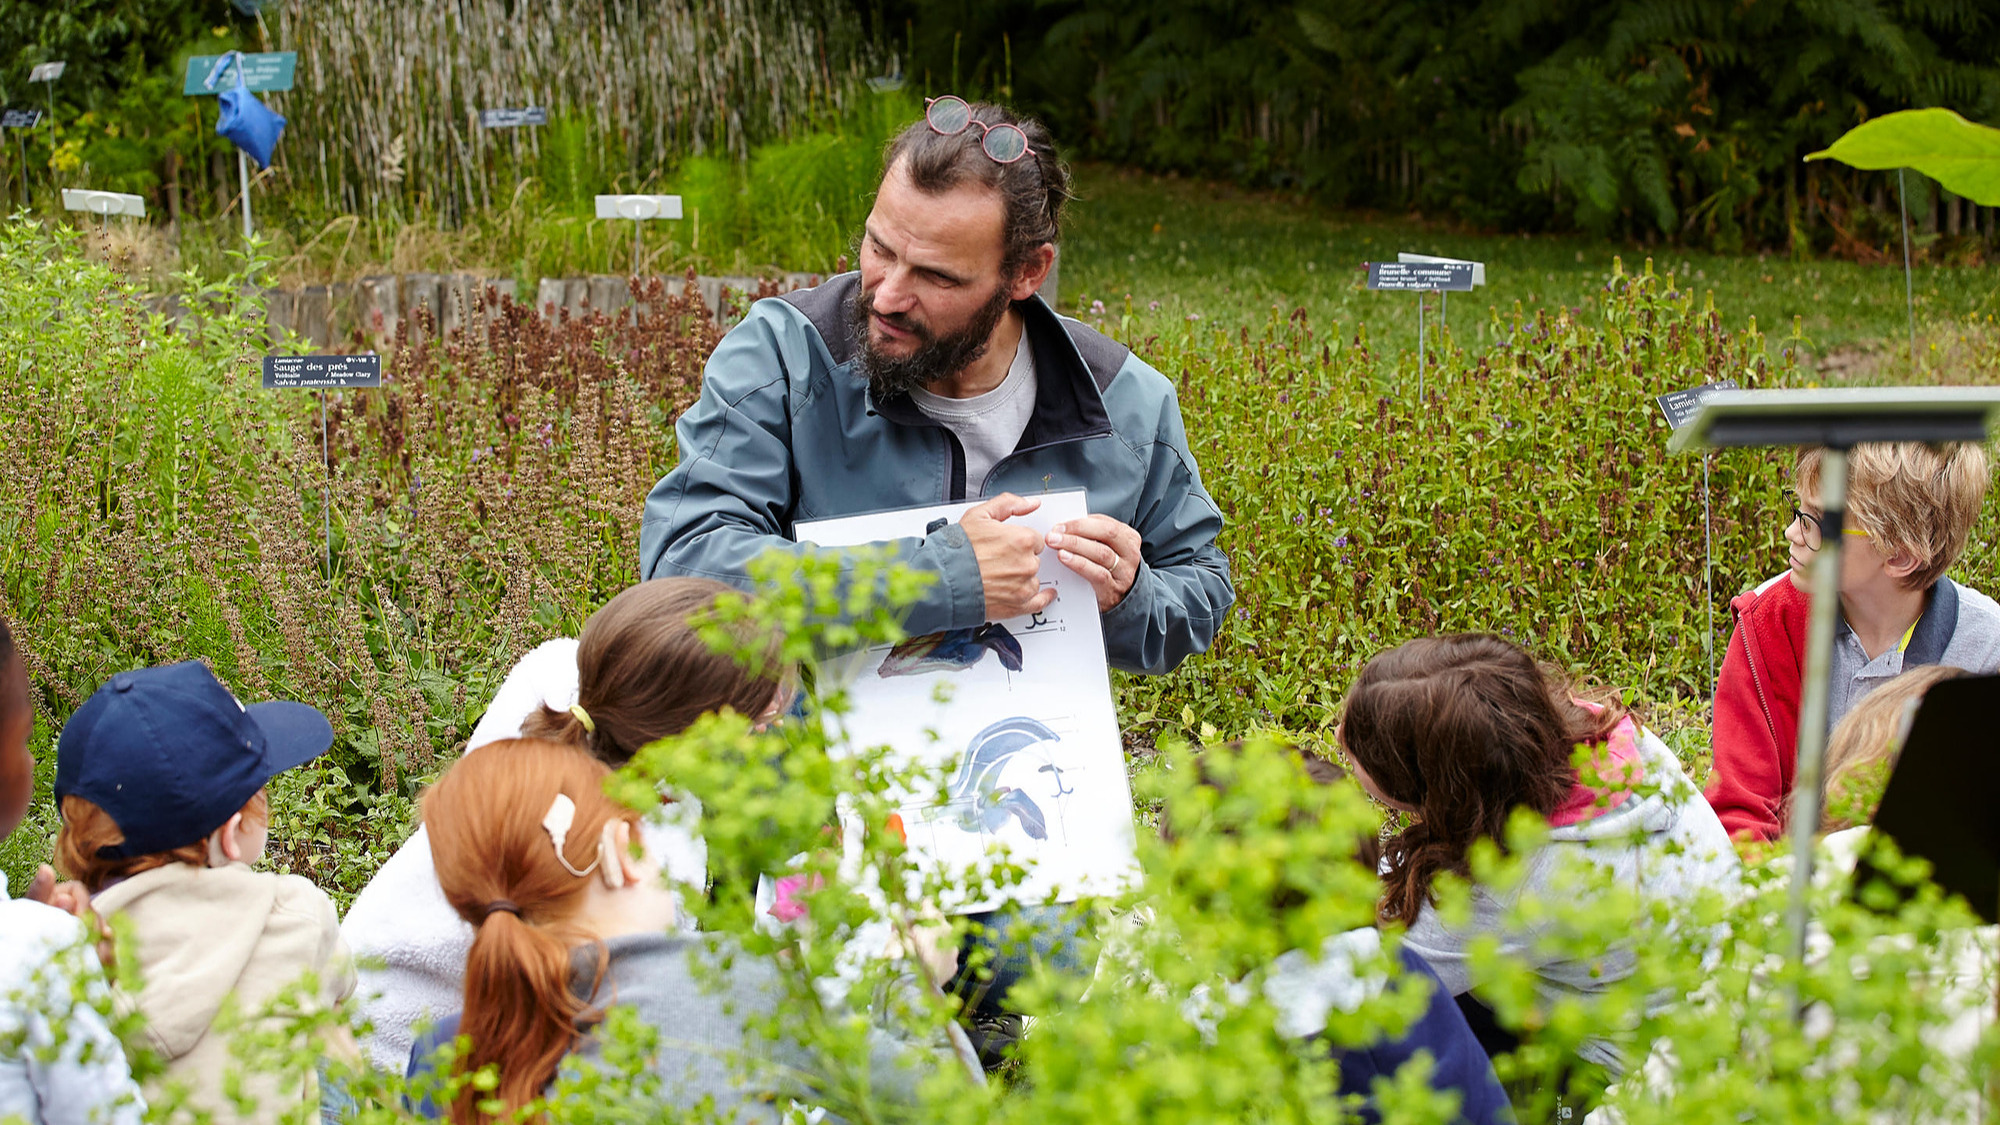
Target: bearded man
{"x":935,"y":374}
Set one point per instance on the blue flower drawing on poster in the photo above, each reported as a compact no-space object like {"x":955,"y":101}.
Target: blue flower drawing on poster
{"x":954,"y":650}
{"x":980,"y":798}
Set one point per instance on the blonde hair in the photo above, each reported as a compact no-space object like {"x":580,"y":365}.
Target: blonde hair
{"x":86,"y":827}
{"x":1864,"y":746}
{"x":1910,"y":496}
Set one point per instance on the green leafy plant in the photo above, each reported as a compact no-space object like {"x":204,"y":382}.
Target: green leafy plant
{"x":1961,"y":155}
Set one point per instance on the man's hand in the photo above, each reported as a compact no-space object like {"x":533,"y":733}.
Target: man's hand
{"x":1102,"y":550}
{"x":1009,"y":557}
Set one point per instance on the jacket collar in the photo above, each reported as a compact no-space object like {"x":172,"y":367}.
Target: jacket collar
{"x":1934,"y":629}
{"x":1069,"y":396}
{"x":1931,"y":635}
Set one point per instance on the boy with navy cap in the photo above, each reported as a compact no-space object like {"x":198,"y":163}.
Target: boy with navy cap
{"x":160,"y":776}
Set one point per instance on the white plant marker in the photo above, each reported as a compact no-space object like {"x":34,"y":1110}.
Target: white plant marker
{"x":104,"y":202}
{"x":638,"y":208}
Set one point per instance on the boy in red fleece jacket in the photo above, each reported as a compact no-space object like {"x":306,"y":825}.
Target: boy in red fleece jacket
{"x":1910,"y":509}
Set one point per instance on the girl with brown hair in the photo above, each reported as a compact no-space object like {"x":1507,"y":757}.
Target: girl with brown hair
{"x":1459,"y":731}
{"x":569,"y":919}
{"x":639,"y":673}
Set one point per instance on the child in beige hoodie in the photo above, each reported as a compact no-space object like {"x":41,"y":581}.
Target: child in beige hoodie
{"x":160,"y":777}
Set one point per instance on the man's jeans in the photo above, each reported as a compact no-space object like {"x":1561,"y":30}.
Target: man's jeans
{"x":1019,"y":937}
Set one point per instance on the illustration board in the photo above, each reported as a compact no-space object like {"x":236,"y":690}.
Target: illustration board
{"x":1029,"y":726}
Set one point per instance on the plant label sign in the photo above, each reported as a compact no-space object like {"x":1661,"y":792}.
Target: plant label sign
{"x":272,"y":70}
{"x":1424,"y":277}
{"x":20,"y":118}
{"x":104,"y":202}
{"x":321,"y":372}
{"x":1478,"y":268}
{"x":638,"y":207}
{"x":513,"y":118}
{"x":1028,"y":741}
{"x":47,"y":72}
{"x":1680,"y":407}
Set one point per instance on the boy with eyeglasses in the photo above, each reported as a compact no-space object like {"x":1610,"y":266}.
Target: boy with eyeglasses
{"x":1910,"y":509}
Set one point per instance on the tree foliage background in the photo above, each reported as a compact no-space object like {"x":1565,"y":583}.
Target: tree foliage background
{"x":1684,"y":119}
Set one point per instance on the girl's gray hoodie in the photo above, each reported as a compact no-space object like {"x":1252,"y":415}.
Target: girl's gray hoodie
{"x":1662,"y":840}
{"x":710,"y":1046}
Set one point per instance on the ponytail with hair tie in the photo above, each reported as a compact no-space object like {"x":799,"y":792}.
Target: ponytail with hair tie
{"x":500,"y":906}
{"x":525,"y":990}
{"x":583,"y":716}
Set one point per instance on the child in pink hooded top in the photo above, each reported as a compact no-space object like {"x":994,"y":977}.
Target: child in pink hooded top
{"x":1460,"y":731}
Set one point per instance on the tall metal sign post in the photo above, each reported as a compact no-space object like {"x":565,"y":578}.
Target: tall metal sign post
{"x":46,"y":73}
{"x":21,"y":120}
{"x":209,"y":75}
{"x":1837,"y":420}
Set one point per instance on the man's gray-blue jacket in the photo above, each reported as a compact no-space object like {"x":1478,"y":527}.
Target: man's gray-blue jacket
{"x":787,"y":430}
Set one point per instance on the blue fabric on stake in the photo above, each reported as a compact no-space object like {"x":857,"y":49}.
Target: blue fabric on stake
{"x":247,"y":122}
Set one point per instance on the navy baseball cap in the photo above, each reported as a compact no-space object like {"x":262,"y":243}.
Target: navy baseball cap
{"x":171,"y":754}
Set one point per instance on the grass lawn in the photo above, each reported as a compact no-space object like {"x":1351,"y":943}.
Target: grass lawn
{"x":1228,"y":256}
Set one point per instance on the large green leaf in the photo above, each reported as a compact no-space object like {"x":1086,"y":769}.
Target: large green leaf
{"x":1957,"y":153}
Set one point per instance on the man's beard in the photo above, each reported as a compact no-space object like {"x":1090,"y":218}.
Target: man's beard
{"x":935,"y":357}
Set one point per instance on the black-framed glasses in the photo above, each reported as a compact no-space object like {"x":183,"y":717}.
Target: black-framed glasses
{"x":948,"y":116}
{"x":1815,"y":530}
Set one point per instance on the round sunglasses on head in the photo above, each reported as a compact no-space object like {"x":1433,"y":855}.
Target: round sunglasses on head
{"x":949,"y":116}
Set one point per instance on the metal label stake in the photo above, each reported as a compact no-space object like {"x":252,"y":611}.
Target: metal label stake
{"x":45,"y":73}
{"x":1825,"y":613}
{"x":325,"y":489}
{"x":322,"y":373}
{"x":243,"y":178}
{"x":1680,"y":408}
{"x":1708,"y":571}
{"x":1909,"y":286}
{"x":21,"y":120}
{"x":1420,"y":347}
{"x":638,"y":208}
{"x":1444,"y":295}
{"x":1421,"y":277}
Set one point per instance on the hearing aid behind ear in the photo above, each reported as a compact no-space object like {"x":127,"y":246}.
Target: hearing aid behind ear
{"x":608,"y":867}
